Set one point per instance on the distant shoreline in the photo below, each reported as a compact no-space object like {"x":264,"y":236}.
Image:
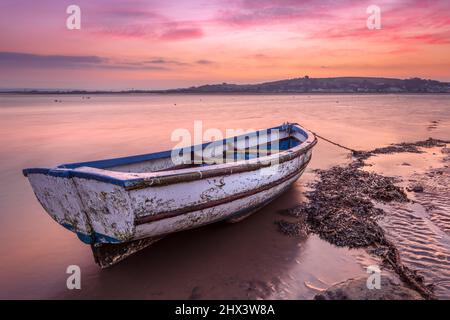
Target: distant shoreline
{"x":295,"y":86}
{"x":218,"y":93}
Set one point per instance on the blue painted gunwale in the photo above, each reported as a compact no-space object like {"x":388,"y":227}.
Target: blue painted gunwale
{"x":68,"y":170}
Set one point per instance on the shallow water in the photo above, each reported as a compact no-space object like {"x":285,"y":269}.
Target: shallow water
{"x":245,"y":260}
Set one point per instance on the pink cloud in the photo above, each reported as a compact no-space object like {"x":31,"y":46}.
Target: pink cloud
{"x":139,"y":19}
{"x":267,"y":12}
{"x":182,"y":34}
{"x":127,"y":31}
{"x":406,"y":21}
{"x":431,"y":38}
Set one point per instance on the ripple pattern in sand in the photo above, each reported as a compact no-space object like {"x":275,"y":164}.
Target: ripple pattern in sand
{"x":421,"y":232}
{"x":436,"y":198}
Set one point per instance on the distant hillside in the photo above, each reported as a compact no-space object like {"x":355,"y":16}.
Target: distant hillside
{"x":297,"y":85}
{"x":326,"y":85}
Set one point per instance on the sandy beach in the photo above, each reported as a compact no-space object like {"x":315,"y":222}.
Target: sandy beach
{"x":246,"y":260}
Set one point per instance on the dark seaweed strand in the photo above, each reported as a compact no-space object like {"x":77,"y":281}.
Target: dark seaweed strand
{"x":412,"y":147}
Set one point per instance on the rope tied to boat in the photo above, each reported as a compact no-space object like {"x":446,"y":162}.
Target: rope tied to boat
{"x":335,"y":143}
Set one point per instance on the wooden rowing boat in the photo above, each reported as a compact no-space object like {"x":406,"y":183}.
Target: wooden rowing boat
{"x":121,"y":205}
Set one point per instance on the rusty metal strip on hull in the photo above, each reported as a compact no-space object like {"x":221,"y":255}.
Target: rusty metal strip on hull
{"x":181,"y":211}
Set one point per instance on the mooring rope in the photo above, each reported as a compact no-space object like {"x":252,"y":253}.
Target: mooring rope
{"x":334,"y":143}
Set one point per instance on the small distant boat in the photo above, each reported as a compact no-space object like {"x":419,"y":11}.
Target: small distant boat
{"x":122,"y":205}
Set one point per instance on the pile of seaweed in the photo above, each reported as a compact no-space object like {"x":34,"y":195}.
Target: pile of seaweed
{"x":412,"y":147}
{"x":341,"y":210}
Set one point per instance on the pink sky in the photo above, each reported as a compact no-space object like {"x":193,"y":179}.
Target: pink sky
{"x":165,"y":44}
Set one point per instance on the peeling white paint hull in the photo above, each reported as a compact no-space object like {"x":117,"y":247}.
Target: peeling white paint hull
{"x":130,"y":201}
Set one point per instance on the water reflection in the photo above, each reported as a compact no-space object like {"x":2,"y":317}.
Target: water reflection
{"x":249,"y":259}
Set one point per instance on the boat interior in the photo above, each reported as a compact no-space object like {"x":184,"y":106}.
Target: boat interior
{"x":244,"y":147}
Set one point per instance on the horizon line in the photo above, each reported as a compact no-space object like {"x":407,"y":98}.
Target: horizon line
{"x":50,"y":90}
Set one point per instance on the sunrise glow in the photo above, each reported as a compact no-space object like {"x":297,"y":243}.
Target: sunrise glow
{"x":167,"y":44}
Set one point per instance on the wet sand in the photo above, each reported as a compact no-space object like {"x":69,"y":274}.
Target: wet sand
{"x":250,"y":259}
{"x":346,"y":203}
{"x":420,"y":229}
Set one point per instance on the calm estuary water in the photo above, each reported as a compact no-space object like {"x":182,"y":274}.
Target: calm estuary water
{"x":245,"y":260}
